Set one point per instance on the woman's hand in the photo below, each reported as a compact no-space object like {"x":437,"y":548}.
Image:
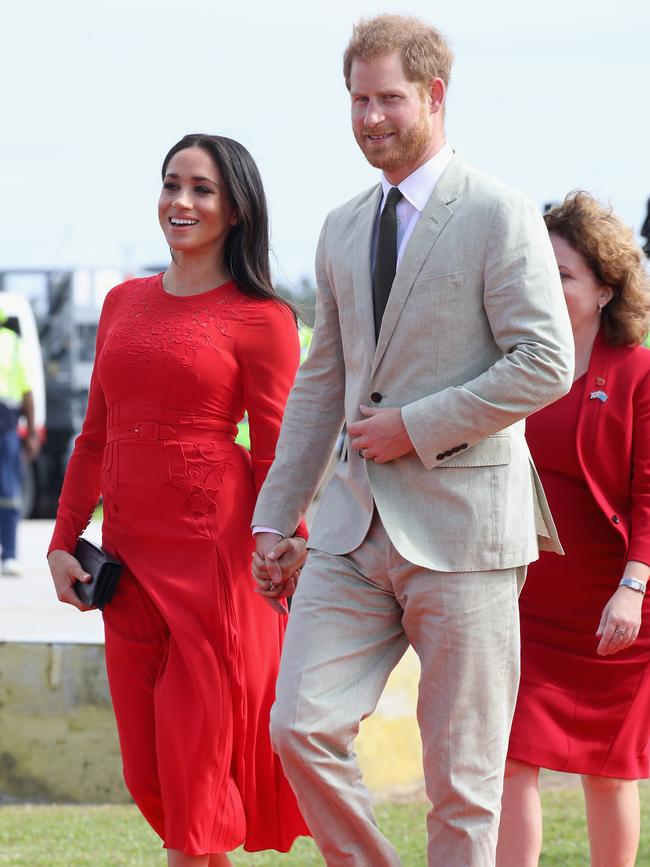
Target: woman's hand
{"x":66,"y":570}
{"x":276,"y":569}
{"x":620,"y":621}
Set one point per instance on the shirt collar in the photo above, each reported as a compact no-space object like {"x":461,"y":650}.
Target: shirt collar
{"x":418,"y":186}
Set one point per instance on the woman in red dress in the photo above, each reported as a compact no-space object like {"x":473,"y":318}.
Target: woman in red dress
{"x":584,"y":699}
{"x":191,"y":650}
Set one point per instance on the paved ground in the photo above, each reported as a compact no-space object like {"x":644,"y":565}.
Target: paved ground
{"x":29,"y":610}
{"x":31,"y":613}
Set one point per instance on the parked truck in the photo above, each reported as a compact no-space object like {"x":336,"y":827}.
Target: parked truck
{"x":66,"y":306}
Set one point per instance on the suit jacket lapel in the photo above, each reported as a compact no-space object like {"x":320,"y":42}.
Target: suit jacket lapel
{"x":592,"y":408}
{"x":362,"y":281}
{"x":429,"y":226}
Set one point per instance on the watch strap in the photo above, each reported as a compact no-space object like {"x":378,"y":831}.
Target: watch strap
{"x":633,"y":584}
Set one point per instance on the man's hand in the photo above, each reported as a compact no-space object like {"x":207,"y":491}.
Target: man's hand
{"x":32,"y":446}
{"x":381,"y":436}
{"x":276,"y":566}
{"x":287,"y":555}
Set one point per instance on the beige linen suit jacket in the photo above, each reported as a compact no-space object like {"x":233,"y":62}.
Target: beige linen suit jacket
{"x":474,"y":338}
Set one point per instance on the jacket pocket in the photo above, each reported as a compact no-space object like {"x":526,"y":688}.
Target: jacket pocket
{"x":439,"y":282}
{"x":491,"y":452}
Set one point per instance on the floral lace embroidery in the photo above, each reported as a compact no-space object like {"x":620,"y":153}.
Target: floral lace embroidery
{"x":146,"y":331}
{"x":143,"y":328}
{"x":109,"y":470}
{"x":202,"y":478}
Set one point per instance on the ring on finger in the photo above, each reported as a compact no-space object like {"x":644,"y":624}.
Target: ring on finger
{"x":619,"y":632}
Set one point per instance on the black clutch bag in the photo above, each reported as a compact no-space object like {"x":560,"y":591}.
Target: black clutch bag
{"x":104,"y":572}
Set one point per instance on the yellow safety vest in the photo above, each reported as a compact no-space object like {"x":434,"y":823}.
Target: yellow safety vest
{"x":14,"y":377}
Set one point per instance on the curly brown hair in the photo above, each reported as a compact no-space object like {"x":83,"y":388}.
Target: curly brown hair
{"x":610,"y":250}
{"x":424,"y":51}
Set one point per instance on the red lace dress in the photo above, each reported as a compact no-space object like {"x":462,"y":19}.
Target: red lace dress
{"x":192,"y":652}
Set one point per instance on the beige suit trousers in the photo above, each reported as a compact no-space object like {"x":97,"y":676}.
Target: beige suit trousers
{"x":352,"y":619}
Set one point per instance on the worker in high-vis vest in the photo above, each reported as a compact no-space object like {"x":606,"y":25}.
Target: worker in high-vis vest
{"x":16,"y":399}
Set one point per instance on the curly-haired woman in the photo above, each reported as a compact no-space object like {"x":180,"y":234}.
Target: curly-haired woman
{"x":584,"y":700}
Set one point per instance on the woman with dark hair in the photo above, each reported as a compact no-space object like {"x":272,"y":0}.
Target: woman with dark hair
{"x":191,"y":651}
{"x":584,"y":699}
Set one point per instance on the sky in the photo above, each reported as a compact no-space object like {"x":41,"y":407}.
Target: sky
{"x":547,"y":96}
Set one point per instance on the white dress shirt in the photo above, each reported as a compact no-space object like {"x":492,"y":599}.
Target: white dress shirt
{"x":416,"y":190}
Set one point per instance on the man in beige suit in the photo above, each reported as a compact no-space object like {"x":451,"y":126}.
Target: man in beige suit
{"x":424,"y":532}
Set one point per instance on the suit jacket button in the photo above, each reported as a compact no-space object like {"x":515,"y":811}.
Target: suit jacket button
{"x":462,"y":446}
{"x":448,"y":453}
{"x":616,"y":519}
{"x":375,"y":397}
{"x":456,"y":449}
{"x":440,"y":457}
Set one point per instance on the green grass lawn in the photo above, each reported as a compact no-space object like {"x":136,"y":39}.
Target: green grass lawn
{"x":110,"y":836}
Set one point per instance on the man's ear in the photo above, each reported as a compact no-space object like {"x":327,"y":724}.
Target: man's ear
{"x":437,"y":92}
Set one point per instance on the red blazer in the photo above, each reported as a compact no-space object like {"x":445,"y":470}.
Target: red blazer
{"x":613,"y":440}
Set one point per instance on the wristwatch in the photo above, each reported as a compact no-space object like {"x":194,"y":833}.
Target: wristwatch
{"x":633,"y":584}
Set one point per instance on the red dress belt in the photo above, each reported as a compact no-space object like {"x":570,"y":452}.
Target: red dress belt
{"x":206,"y":430}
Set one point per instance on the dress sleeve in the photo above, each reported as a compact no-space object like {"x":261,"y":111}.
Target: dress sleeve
{"x":639,"y":547}
{"x":81,"y":485}
{"x":268,"y":351}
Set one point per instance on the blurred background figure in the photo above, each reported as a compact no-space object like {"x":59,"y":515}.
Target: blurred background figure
{"x":584,"y":698}
{"x":16,"y":399}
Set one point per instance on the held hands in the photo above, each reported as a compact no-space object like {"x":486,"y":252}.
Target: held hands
{"x":381,"y":436}
{"x":276,"y":566}
{"x":66,"y":570}
{"x":620,"y":621}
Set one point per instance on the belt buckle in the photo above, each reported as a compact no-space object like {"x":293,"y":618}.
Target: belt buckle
{"x":147,"y":430}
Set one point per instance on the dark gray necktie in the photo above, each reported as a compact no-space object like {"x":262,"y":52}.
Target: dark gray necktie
{"x":386,"y":258}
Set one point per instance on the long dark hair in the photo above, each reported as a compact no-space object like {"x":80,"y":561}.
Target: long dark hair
{"x":246,"y":250}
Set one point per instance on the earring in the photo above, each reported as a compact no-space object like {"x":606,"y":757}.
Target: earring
{"x":600,"y":307}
